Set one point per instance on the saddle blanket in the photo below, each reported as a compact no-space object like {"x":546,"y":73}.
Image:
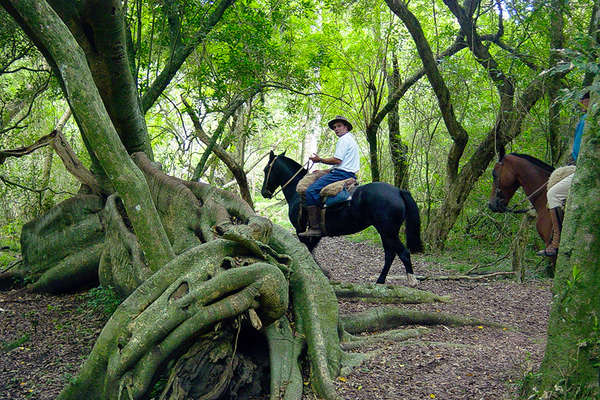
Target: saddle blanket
{"x":331,"y":190}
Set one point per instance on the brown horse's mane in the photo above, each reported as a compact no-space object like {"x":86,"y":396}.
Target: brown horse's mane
{"x":535,"y":161}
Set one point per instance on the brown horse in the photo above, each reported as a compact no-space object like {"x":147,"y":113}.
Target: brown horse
{"x":514,"y":170}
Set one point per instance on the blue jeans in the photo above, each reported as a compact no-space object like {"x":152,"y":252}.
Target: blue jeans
{"x":312,"y":193}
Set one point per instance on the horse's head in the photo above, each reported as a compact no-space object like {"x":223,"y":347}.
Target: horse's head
{"x":504,"y":184}
{"x":272,"y":175}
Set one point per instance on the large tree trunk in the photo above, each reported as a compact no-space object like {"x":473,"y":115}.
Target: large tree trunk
{"x":70,"y":65}
{"x":371,"y":134}
{"x":571,"y":363}
{"x":557,"y":144}
{"x":456,"y":195}
{"x":398,"y":149}
{"x":99,"y":29}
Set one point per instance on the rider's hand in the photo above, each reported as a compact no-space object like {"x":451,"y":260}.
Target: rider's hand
{"x":315,"y":158}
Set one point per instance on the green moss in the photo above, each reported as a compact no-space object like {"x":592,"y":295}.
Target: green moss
{"x":104,"y":299}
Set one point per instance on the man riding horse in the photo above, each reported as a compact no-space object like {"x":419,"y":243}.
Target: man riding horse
{"x":346,"y":161}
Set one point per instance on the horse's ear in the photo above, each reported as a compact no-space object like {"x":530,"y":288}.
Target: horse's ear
{"x":271,"y":155}
{"x":282,"y":154}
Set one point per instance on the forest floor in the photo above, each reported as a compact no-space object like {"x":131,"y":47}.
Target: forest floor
{"x":44,"y":339}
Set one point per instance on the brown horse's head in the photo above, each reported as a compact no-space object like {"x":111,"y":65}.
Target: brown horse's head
{"x":505,"y":184}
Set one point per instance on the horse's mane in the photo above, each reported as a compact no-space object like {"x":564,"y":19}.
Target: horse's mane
{"x":290,"y":162}
{"x":535,"y":161}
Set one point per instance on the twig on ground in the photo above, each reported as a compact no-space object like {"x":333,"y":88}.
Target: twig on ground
{"x":466,"y":277}
{"x":478,"y":266}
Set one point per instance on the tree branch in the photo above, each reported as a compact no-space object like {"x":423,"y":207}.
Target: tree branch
{"x":34,"y":96}
{"x":21,"y":151}
{"x":73,"y":164}
{"x":457,"y":46}
{"x":180,"y":53}
{"x":236,"y":168}
{"x":459,"y":135}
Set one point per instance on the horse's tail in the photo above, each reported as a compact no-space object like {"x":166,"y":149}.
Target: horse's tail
{"x":413,"y":223}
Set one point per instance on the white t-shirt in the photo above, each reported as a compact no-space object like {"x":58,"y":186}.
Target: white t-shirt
{"x":346,"y":149}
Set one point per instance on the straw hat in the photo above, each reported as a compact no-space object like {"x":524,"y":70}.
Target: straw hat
{"x":339,"y":118}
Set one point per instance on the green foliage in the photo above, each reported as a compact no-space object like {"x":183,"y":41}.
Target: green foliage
{"x":5,"y":347}
{"x":5,"y":259}
{"x":274,"y":209}
{"x":10,"y":234}
{"x":104,"y":299}
{"x":562,"y":390}
{"x":369,"y":235}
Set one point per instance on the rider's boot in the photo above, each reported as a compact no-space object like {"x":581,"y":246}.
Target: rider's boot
{"x":314,"y":222}
{"x":552,"y":248}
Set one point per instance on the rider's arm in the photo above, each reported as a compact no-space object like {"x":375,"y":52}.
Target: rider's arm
{"x":329,"y":161}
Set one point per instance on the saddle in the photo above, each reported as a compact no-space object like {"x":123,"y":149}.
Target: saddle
{"x":332,"y":194}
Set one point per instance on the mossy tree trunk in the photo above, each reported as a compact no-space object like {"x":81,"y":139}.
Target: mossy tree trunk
{"x":398,"y":149}
{"x":555,"y":139}
{"x":571,"y":363}
{"x":70,"y":65}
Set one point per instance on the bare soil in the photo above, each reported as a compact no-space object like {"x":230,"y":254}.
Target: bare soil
{"x":55,"y":333}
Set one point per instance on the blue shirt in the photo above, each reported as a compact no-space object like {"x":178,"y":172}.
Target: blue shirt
{"x":346,"y":149}
{"x":578,"y":135}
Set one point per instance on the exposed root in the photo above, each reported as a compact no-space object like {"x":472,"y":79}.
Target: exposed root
{"x":284,"y":353}
{"x":151,"y":324}
{"x":46,"y":257}
{"x":350,"y":361}
{"x":315,"y":312}
{"x":384,"y":318}
{"x":375,"y":293}
{"x":351,"y":342}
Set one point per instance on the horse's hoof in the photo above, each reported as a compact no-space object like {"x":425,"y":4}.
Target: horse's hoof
{"x":411,"y":280}
{"x":380,"y":281}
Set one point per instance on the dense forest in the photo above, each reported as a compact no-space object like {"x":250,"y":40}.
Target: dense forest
{"x":134,"y":137}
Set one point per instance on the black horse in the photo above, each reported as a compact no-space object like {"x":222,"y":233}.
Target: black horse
{"x":379,"y":204}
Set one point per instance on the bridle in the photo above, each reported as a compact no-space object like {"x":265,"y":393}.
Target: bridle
{"x":289,"y":180}
{"x":513,"y":209}
{"x":269,"y":172}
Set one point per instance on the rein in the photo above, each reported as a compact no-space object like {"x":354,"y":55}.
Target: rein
{"x":289,"y":180}
{"x":530,"y":197}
